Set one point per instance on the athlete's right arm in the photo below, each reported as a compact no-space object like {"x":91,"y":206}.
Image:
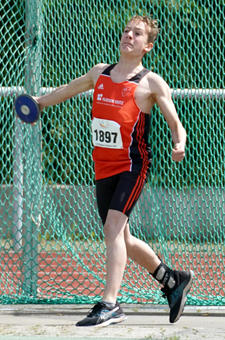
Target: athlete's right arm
{"x":76,"y":86}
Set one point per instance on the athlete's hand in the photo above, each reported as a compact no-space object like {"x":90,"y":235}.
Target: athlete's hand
{"x":35,"y":123}
{"x":178,"y":152}
{"x":38,"y":100}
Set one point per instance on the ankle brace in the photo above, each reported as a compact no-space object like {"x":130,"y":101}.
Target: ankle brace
{"x":164,"y":275}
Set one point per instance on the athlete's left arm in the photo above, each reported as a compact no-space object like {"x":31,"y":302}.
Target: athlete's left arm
{"x":162,"y":96}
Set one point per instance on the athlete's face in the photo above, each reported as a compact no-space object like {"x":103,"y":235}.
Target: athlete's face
{"x":135,"y":38}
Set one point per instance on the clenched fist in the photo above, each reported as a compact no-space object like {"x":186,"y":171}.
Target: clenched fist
{"x":178,"y":152}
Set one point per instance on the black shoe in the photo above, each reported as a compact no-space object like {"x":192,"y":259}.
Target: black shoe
{"x":101,"y":315}
{"x":177,"y":296}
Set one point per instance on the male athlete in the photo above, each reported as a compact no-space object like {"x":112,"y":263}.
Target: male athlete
{"x":124,"y":95}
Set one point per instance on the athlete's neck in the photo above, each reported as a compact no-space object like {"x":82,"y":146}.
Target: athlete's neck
{"x":124,"y":71}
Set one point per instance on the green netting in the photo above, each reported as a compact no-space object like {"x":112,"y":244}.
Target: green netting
{"x":52,"y":245}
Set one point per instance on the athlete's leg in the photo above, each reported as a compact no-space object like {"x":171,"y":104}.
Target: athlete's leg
{"x":108,"y":310}
{"x":116,"y":198}
{"x":176,"y":283}
{"x":140,"y":252}
{"x":116,"y":253}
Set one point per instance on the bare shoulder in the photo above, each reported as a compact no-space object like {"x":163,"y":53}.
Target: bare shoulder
{"x":95,"y":71}
{"x":157,"y":84}
{"x":152,"y":90}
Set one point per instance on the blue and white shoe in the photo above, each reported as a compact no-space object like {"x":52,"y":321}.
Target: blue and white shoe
{"x":177,"y":296}
{"x":101,"y":315}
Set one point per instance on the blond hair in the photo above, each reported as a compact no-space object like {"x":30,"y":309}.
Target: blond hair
{"x":151,"y":24}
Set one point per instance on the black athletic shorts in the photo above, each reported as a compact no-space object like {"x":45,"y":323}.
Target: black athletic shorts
{"x":119,"y":192}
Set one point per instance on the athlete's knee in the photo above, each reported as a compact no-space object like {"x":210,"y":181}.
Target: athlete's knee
{"x":112,"y":231}
{"x":114,"y":225}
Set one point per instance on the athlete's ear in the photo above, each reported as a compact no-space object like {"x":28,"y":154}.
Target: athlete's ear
{"x":148,"y":47}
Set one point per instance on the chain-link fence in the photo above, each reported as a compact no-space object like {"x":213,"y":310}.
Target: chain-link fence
{"x":52,"y":245}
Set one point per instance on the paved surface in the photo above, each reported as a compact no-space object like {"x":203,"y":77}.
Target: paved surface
{"x":42,"y":322}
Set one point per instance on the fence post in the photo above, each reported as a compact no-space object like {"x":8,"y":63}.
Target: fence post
{"x":32,"y":152}
{"x":18,"y":187}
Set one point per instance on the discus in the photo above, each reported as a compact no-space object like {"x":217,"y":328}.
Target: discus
{"x":27,"y":108}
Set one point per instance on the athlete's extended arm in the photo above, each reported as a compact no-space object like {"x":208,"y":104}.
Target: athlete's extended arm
{"x":76,"y":86}
{"x":163,"y":99}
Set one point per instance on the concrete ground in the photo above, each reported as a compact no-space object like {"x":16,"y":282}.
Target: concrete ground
{"x":42,"y":322}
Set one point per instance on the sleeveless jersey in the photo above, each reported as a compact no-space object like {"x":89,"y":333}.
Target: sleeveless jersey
{"x":120,"y":131}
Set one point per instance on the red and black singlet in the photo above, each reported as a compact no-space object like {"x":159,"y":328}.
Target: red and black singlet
{"x":120,"y":131}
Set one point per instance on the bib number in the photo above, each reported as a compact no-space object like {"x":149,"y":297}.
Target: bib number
{"x":106,"y":134}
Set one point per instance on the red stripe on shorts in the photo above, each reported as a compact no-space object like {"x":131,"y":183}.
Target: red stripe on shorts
{"x":135,"y":193}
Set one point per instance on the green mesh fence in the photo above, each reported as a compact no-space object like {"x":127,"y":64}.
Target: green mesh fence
{"x":52,"y":245}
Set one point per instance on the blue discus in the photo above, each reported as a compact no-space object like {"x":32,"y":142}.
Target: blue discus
{"x":27,"y":108}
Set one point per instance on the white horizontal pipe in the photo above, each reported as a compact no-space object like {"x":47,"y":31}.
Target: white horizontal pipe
{"x":182,"y":93}
{"x":198,"y":93}
{"x":17,"y":90}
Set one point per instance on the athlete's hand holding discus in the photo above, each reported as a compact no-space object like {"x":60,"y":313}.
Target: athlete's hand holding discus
{"x":27,"y":109}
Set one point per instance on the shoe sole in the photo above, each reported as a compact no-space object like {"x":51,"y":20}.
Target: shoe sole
{"x":184,"y":297}
{"x":111,"y":321}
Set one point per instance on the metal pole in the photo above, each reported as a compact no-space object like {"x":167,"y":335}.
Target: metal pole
{"x":32,"y":152}
{"x":18,"y":187}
